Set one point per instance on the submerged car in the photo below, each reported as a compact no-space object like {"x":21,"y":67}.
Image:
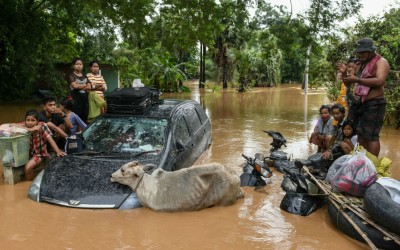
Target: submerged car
{"x":172,"y":135}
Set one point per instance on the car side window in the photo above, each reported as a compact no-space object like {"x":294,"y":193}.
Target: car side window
{"x":182,"y":132}
{"x":193,"y":119}
{"x":203,"y":116}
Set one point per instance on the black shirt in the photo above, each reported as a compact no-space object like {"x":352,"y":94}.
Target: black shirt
{"x":56,"y":119}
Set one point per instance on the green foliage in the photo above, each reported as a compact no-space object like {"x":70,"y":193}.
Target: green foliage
{"x":154,"y":67}
{"x":333,"y":90}
{"x":36,"y":35}
{"x":159,"y":41}
{"x":292,"y":41}
{"x":392,"y":96}
{"x":213,"y":87}
{"x":233,"y":17}
{"x":211,"y":70}
{"x":184,"y":89}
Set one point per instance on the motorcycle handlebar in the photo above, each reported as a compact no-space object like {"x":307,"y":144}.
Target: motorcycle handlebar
{"x":247,"y":158}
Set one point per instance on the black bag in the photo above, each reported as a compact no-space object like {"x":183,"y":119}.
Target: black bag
{"x":74,"y":144}
{"x":129,"y":100}
{"x":155,"y":96}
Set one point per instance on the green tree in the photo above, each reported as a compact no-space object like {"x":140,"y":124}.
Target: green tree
{"x":323,"y":17}
{"x":233,"y":17}
{"x":35,"y":35}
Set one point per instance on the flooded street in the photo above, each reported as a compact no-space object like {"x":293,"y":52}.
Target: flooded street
{"x":238,"y":121}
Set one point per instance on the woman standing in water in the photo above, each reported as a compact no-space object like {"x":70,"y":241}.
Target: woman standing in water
{"x":79,"y":85}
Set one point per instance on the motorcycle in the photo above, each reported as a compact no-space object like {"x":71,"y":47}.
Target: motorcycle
{"x":254,"y":170}
{"x":302,"y":195}
{"x":277,"y":158}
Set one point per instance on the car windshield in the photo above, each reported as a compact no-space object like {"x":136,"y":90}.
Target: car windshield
{"x":126,"y":134}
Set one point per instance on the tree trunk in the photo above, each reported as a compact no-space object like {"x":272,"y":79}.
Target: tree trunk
{"x":224,"y":68}
{"x":204,"y":65}
{"x":202,"y":68}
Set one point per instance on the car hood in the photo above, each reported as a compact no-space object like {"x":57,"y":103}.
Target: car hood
{"x":84,"y":182}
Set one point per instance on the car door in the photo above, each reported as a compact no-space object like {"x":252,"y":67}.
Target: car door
{"x":184,"y":145}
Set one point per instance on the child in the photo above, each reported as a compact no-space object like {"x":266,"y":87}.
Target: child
{"x":40,"y":134}
{"x":77,"y":123}
{"x":336,"y":136}
{"x":323,"y":128}
{"x":343,"y":94}
{"x":349,"y":137}
{"x":54,"y":118}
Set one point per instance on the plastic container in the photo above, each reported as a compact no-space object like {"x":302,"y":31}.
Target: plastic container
{"x":14,"y":150}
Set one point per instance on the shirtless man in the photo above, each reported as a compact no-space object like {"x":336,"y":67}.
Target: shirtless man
{"x":371,"y":72}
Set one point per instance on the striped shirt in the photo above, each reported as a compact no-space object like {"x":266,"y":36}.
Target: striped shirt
{"x":97,"y":80}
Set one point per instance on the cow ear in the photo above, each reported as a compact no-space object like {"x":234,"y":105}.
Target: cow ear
{"x":149,"y":167}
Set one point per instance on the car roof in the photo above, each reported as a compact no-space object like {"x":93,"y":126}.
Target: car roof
{"x":162,"y":110}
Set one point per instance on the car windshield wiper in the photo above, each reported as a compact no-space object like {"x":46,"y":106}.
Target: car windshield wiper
{"x":124,"y":155}
{"x":87,"y":152}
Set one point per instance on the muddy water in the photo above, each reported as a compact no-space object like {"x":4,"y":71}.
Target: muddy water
{"x":238,"y":120}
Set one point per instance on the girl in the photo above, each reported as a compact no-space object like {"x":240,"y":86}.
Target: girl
{"x":77,"y":123}
{"x":349,"y":137}
{"x":79,"y":85}
{"x":40,"y":134}
{"x":323,"y":129}
{"x":96,"y":95}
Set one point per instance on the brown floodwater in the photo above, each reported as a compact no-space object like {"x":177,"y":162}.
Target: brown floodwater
{"x":238,"y":121}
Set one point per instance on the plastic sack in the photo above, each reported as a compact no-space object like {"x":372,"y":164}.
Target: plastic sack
{"x":383,"y":168}
{"x":382,"y":165}
{"x":355,"y":176}
{"x":11,"y":130}
{"x":336,"y":166}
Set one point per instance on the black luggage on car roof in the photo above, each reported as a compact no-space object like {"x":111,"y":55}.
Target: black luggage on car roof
{"x":132,"y":100}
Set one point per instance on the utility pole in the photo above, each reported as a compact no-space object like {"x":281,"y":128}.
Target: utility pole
{"x":306,"y":70}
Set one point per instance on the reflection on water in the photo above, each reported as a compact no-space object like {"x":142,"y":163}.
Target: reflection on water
{"x":238,"y":121}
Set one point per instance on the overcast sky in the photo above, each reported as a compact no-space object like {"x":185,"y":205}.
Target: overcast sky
{"x":370,"y":7}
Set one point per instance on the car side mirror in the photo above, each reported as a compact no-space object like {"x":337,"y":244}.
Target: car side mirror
{"x":179,"y":145}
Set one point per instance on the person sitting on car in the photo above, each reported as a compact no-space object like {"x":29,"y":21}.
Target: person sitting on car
{"x":55,"y":119}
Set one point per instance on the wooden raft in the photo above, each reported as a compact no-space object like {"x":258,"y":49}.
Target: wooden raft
{"x":355,"y":205}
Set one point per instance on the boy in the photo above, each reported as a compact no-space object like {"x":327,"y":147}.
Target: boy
{"x":55,"y":119}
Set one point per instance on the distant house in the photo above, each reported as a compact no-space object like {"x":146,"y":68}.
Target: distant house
{"x":111,"y":77}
